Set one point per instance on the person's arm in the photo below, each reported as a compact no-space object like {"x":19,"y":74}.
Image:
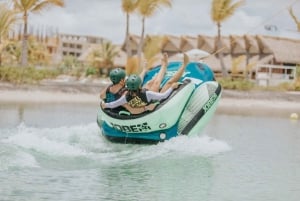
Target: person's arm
{"x":103,"y":93}
{"x":140,"y":110}
{"x":116,"y":103}
{"x":151,"y":95}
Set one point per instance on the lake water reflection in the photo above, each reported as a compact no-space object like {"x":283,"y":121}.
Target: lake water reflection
{"x":56,"y":152}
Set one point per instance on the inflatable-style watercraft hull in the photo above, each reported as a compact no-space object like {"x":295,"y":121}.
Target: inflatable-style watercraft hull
{"x":185,"y":112}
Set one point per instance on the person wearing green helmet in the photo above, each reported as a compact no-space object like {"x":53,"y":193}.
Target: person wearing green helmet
{"x":138,"y":97}
{"x":115,"y":90}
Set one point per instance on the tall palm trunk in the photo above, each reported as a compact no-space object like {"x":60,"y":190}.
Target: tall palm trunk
{"x":0,"y":53}
{"x":141,"y":44}
{"x":220,"y":53}
{"x":247,"y":73}
{"x":127,"y":41}
{"x":24,"y":57}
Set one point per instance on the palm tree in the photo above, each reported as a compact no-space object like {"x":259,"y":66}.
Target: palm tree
{"x":221,"y":10}
{"x":128,"y":7}
{"x":147,"y":8}
{"x":37,"y":52}
{"x":35,"y":6}
{"x":153,"y":45}
{"x":7,"y":19}
{"x":296,"y":20}
{"x":103,"y":56}
{"x":12,"y":53}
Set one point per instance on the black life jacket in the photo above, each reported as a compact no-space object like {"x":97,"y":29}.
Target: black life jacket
{"x":110,"y":97}
{"x":137,"y":100}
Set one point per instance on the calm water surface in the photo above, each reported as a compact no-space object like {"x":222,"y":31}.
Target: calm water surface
{"x":56,"y":152}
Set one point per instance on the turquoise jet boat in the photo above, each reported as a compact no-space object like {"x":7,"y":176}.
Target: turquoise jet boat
{"x":185,"y":112}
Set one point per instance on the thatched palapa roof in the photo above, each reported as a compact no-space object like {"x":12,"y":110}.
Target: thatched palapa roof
{"x":284,"y":50}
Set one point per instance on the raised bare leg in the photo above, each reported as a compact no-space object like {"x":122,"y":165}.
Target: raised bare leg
{"x":176,"y":77}
{"x":154,"y":84}
{"x":144,"y":71}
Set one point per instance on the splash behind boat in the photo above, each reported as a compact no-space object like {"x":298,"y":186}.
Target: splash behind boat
{"x":185,"y":112}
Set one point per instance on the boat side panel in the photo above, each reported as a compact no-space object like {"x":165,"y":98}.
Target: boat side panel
{"x":199,"y":126}
{"x":194,"y":70}
{"x":163,"y":118}
{"x":202,"y":102}
{"x":157,"y":136}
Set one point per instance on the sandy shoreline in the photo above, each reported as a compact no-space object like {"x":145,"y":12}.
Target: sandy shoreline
{"x":281,"y":103}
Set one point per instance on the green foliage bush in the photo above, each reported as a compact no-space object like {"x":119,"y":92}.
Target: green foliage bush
{"x":29,"y":75}
{"x":91,"y":71}
{"x":237,"y":84}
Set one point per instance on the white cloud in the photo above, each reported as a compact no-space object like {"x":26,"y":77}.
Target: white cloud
{"x":186,"y":17}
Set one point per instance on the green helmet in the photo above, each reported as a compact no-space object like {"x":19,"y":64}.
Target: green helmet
{"x":116,"y":75}
{"x":133,"y":82}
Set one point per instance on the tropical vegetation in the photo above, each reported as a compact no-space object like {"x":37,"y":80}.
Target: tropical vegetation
{"x":128,"y":7}
{"x":7,"y":19}
{"x":33,"y":53}
{"x":221,"y":10}
{"x":25,"y":7}
{"x":102,"y":57}
{"x":147,"y":9}
{"x":296,"y":20}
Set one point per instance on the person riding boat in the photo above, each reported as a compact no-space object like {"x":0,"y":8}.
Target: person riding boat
{"x":115,"y":90}
{"x":138,"y":97}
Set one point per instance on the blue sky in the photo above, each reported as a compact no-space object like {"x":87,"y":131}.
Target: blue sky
{"x":186,"y":17}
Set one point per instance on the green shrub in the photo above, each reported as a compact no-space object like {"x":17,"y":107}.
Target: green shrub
{"x":90,"y":71}
{"x":29,"y":75}
{"x":238,"y":84}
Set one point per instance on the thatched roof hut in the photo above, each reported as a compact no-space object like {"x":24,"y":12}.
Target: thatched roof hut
{"x":251,"y":43}
{"x":171,"y":44}
{"x":188,"y":43}
{"x":238,"y":45}
{"x":214,"y":62}
{"x":263,"y":45}
{"x":226,"y":45}
{"x":206,"y":43}
{"x":285,"y":51}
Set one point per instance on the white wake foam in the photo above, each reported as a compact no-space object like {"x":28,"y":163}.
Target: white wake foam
{"x":86,"y":141}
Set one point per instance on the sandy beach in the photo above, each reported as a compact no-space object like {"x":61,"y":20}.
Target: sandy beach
{"x":251,"y":103}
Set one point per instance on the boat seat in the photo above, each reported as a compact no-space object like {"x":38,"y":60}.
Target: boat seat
{"x":124,"y":114}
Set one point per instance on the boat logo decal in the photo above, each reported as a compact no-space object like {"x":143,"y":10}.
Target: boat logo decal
{"x":172,"y":73}
{"x":162,"y":125}
{"x":210,"y":102}
{"x":144,"y":127}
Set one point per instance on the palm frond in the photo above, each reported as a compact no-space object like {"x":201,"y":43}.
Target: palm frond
{"x":128,"y":6}
{"x":46,"y":4}
{"x":150,"y":7}
{"x":132,"y":65}
{"x":296,"y":20}
{"x":230,"y":10}
{"x":17,"y":5}
{"x":7,"y":19}
{"x":223,"y":9}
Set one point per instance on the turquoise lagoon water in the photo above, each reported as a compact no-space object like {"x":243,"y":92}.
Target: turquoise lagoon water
{"x":56,"y":152}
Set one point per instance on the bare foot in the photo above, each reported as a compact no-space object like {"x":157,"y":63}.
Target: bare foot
{"x":164,"y":60}
{"x":186,"y":59}
{"x":145,"y":64}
